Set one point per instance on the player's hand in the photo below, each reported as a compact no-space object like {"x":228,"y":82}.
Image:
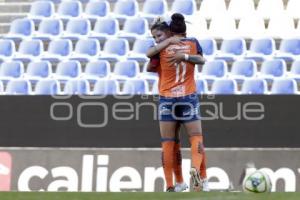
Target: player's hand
{"x":175,"y":58}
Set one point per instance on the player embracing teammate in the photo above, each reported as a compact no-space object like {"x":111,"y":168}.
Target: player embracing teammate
{"x":174,"y":58}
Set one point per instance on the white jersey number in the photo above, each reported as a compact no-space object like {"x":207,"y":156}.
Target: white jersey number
{"x":180,"y":77}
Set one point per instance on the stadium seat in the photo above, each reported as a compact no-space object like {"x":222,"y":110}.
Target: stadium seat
{"x":86,"y":50}
{"x":38,"y":70}
{"x":241,"y":8}
{"x":96,"y":9}
{"x":18,"y":87}
{"x":7,"y":49}
{"x":47,"y":87}
{"x":115,"y":50}
{"x":66,"y":70}
{"x":295,"y":71}
{"x":58,"y":50}
{"x":281,"y":26}
{"x":20,"y":29}
{"x":135,"y":87}
{"x":40,"y":10}
{"x":186,"y":7}
{"x":106,"y":87}
{"x":29,"y":50}
{"x":105,"y":28}
{"x":213,"y":69}
{"x":154,"y":90}
{"x":243,"y":69}
{"x":139,"y":49}
{"x":292,"y":8}
{"x":289,"y":49}
{"x":125,"y":9}
{"x":77,"y":87}
{"x":209,"y":48}
{"x":68,"y":10}
{"x":11,"y":70}
{"x":254,"y":86}
{"x":2,"y":92}
{"x":271,"y":69}
{"x":134,"y":28}
{"x":126,"y":69}
{"x":284,"y":86}
{"x":224,"y":86}
{"x":77,"y":29}
{"x":261,"y":49}
{"x":251,"y":27}
{"x":232,"y":49}
{"x":95,"y":70}
{"x":222,"y":27}
{"x":202,"y":86}
{"x":153,"y":8}
{"x":49,"y":29}
{"x":269,"y":8}
{"x":197,"y":28}
{"x":211,"y":8}
{"x":150,"y":77}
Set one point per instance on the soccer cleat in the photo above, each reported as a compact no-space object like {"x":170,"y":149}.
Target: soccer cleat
{"x":170,"y":189}
{"x":205,"y":187}
{"x":180,"y":187}
{"x":195,"y":178}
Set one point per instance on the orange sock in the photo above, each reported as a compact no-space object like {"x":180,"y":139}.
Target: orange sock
{"x":203,"y":166}
{"x":167,"y":161}
{"x":196,"y":150}
{"x":177,"y":163}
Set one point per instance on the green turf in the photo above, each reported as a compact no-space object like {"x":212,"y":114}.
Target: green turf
{"x":145,"y":196}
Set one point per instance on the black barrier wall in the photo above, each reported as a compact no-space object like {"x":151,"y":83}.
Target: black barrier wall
{"x":228,"y":121}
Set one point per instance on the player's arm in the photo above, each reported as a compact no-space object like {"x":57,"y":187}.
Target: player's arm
{"x":195,"y":59}
{"x":157,"y":48}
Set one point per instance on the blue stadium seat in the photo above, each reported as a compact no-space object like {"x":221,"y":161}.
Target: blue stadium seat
{"x":261,"y":49}
{"x":209,"y":48}
{"x":1,"y":88}
{"x":7,"y":49}
{"x":295,"y":70}
{"x":106,"y":87}
{"x":58,"y":50}
{"x":151,"y":77}
{"x":213,"y":69}
{"x":134,"y":28}
{"x":105,"y":28}
{"x":186,"y":7}
{"x":271,"y":69}
{"x":125,"y":9}
{"x":11,"y":70}
{"x":77,"y":29}
{"x":40,"y":10}
{"x":284,"y":86}
{"x":224,"y":86}
{"x":96,"y":9}
{"x":68,"y":10}
{"x":154,"y":90}
{"x":202,"y":86}
{"x":86,"y":50}
{"x":77,"y":87}
{"x":115,"y":50}
{"x":49,"y":29}
{"x":289,"y":49}
{"x":47,"y":87}
{"x":66,"y":70}
{"x":153,"y":8}
{"x":254,"y":86}
{"x":243,"y":69}
{"x":126,"y":69}
{"x":29,"y":50}
{"x":135,"y":87}
{"x":18,"y":87}
{"x":139,"y":49}
{"x":20,"y":29}
{"x":95,"y":70}
{"x":232,"y":49}
{"x":38,"y":70}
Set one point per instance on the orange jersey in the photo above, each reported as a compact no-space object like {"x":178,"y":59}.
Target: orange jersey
{"x":178,"y":79}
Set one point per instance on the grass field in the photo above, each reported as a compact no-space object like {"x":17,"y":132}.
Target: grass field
{"x":145,"y":196}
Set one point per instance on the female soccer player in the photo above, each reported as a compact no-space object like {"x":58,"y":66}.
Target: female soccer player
{"x":178,"y":101}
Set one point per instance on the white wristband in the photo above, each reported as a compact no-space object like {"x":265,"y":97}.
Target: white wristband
{"x":186,"y":57}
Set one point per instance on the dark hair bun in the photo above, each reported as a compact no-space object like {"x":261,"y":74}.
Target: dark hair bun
{"x":177,"y":17}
